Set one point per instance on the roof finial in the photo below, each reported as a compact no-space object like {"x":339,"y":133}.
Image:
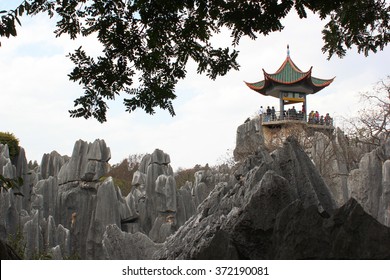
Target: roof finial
{"x":288,"y":50}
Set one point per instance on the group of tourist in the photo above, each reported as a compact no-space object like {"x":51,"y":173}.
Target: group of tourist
{"x":293,"y":114}
{"x":269,"y":114}
{"x":314,"y":117}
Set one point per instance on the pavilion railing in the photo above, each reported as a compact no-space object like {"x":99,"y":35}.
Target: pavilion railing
{"x":277,"y":116}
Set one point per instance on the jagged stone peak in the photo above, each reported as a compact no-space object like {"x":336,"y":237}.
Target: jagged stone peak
{"x":96,"y":150}
{"x":159,"y":157}
{"x":89,"y":162}
{"x":51,"y":164}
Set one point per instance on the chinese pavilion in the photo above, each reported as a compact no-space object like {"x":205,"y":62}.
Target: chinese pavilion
{"x":290,"y":85}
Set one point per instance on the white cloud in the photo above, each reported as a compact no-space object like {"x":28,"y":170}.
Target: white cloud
{"x":36,"y":94}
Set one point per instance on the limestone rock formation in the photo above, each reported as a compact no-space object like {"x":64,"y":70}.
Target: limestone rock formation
{"x":119,"y":245}
{"x":249,"y":139}
{"x":274,"y":214}
{"x":88,"y":162}
{"x":274,"y":205}
{"x":51,"y":164}
{"x":368,"y":184}
{"x":301,"y":233}
{"x":10,"y":205}
{"x":244,"y":214}
{"x":110,"y":209}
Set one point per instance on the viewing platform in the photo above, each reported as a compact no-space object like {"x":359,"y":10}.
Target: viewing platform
{"x":278,"y":120}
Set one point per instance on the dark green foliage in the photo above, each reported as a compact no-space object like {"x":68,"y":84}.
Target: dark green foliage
{"x":155,"y":39}
{"x":17,"y":243}
{"x":12,"y":143}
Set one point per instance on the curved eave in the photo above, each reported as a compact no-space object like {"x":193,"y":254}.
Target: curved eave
{"x":319,"y":86}
{"x":258,"y":89}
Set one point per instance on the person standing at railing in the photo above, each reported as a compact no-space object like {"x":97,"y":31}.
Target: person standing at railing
{"x":273,"y":115}
{"x":311,"y":116}
{"x":293,"y":113}
{"x":268,"y":117}
{"x":327,"y":119}
{"x":261,"y":111}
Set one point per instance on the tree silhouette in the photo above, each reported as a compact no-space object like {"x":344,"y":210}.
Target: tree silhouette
{"x":155,"y":39}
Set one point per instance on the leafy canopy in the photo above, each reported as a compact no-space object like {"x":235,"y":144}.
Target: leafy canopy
{"x":155,"y":39}
{"x":11,"y":141}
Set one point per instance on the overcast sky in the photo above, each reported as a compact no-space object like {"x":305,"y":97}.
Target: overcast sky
{"x":35,"y":94}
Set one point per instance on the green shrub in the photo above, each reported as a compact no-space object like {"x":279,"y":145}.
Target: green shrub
{"x":11,"y":141}
{"x":17,"y":243}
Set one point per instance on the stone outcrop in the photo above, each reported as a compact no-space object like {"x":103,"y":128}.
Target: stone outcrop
{"x":301,"y":233}
{"x":274,"y":214}
{"x":243,"y":215}
{"x":110,"y":209}
{"x":275,"y":205}
{"x":10,"y":205}
{"x":369,"y":184}
{"x":119,"y":245}
{"x":89,"y":162}
{"x":249,"y":139}
{"x":51,"y":164}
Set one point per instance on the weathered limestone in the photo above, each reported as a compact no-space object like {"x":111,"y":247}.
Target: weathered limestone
{"x":280,"y":209}
{"x":4,"y":159}
{"x":204,"y":183}
{"x":369,"y":183}
{"x":51,"y":239}
{"x":87,"y":163}
{"x":33,"y":238}
{"x":7,"y":169}
{"x":119,"y":245}
{"x":231,"y":214}
{"x":51,"y":164}
{"x":185,"y":204}
{"x":63,"y":239}
{"x":11,"y":205}
{"x":159,"y":165}
{"x":56,"y":253}
{"x":294,"y":165}
{"x":249,"y":139}
{"x":275,"y":205}
{"x":48,"y":191}
{"x":74,"y":210}
{"x":110,"y":209}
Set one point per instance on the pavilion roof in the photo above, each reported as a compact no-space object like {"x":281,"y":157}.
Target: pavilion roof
{"x":289,"y":74}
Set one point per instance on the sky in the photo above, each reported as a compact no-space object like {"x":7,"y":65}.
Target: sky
{"x":36,"y":94}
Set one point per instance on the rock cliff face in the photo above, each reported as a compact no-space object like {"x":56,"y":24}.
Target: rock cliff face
{"x":275,"y":205}
{"x":369,"y":184}
{"x":69,"y":207}
{"x":353,"y":170}
{"x":11,"y":205}
{"x":281,"y":209}
{"x":249,"y":138}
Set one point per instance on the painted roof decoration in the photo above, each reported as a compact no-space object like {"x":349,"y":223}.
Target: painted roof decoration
{"x":289,"y":77}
